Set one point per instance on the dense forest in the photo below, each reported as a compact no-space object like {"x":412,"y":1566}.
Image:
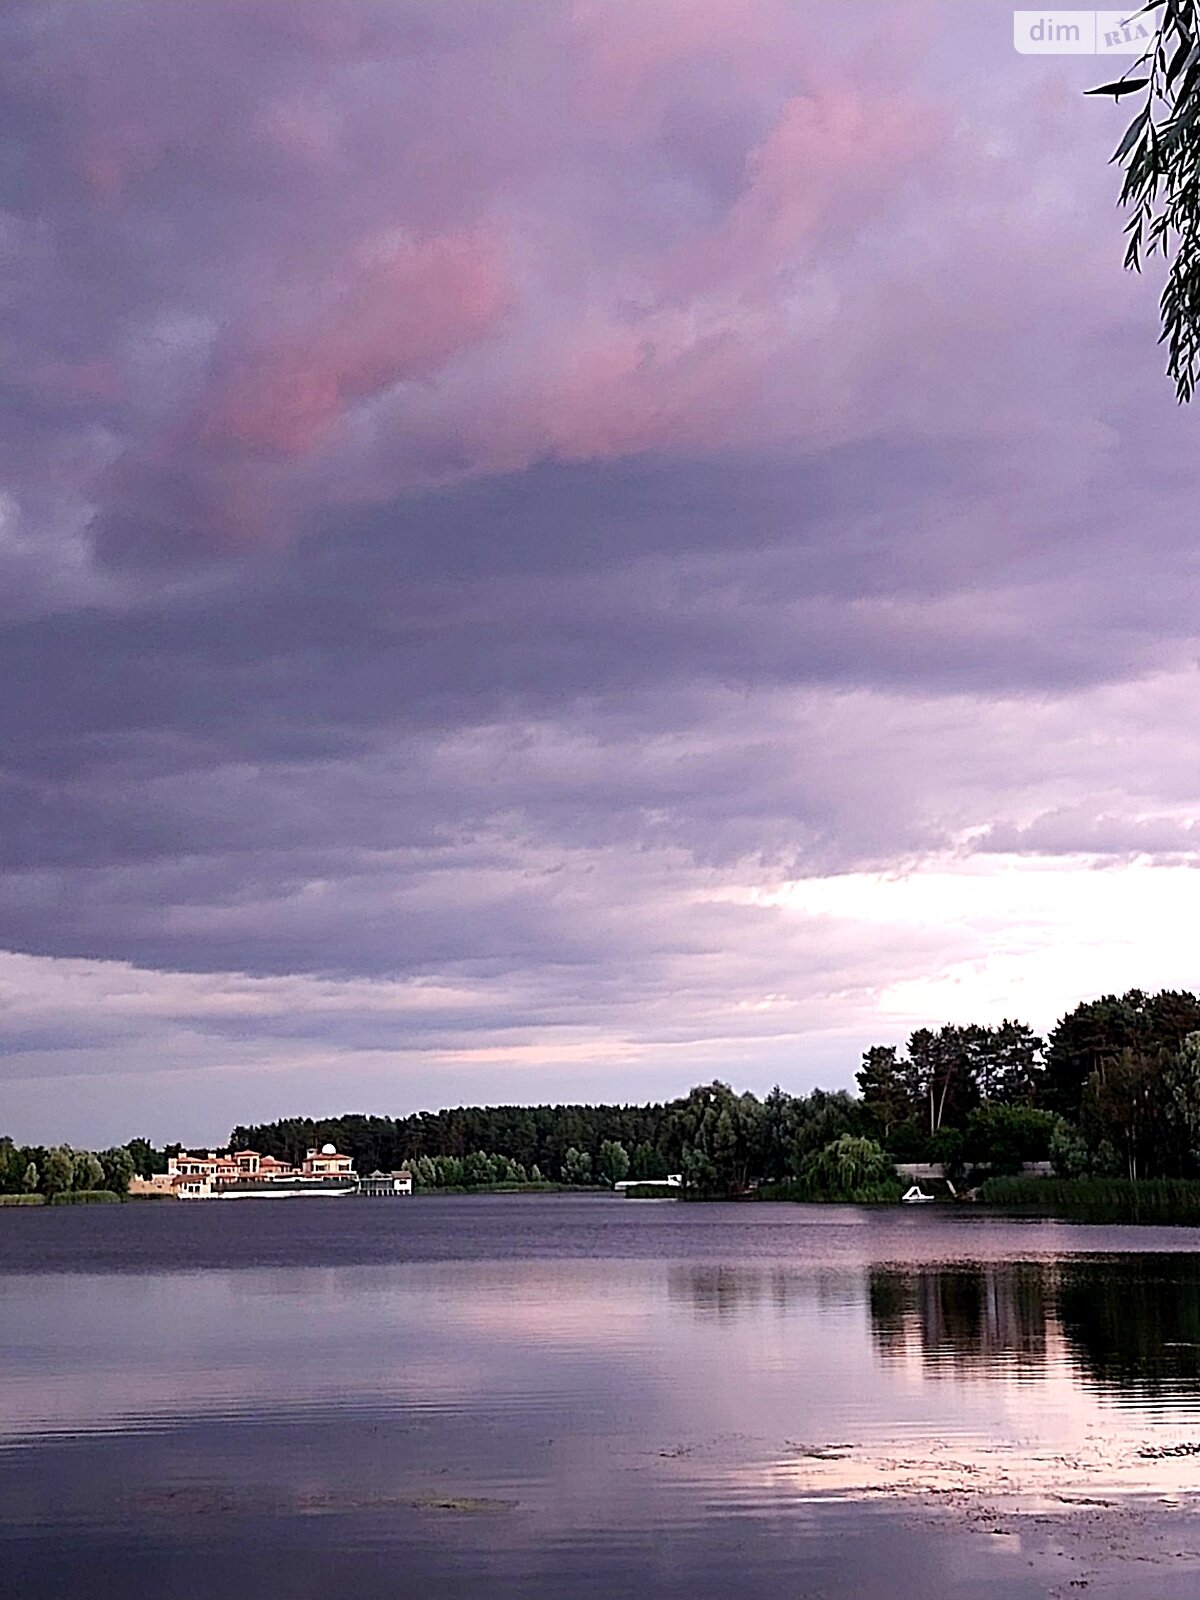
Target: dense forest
{"x":718,"y":1139}
{"x":1113,"y":1092}
{"x":58,"y":1172}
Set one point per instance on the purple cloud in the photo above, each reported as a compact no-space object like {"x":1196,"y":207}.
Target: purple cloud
{"x":521,"y":526}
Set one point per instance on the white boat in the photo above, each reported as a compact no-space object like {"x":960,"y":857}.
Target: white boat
{"x":283,"y":1189}
{"x":667,"y":1187}
{"x":916,"y":1196}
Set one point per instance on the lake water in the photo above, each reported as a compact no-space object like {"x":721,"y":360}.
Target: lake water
{"x":558,"y":1396}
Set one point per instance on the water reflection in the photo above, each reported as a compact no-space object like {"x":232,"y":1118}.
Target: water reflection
{"x":964,"y":1317}
{"x":1124,"y":1325}
{"x":1130,"y":1326}
{"x":1133,"y":1323}
{"x":526,"y":1420}
{"x":725,"y":1293}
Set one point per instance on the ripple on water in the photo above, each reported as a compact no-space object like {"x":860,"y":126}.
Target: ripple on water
{"x":705,"y":1399}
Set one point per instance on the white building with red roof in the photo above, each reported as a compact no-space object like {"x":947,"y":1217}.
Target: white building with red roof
{"x":238,"y":1174}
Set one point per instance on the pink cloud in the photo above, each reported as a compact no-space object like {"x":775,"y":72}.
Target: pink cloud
{"x":630,"y":52}
{"x":409,"y":307}
{"x":831,"y":162}
{"x":218,"y":475}
{"x":685,"y":347}
{"x":401,"y":245}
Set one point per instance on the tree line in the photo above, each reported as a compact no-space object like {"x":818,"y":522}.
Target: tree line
{"x":531,"y":1136}
{"x":1113,"y":1090}
{"x":482,"y":1169}
{"x":58,"y":1170}
{"x":720,"y":1140}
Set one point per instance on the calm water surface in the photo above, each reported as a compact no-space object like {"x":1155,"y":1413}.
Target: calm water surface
{"x":555,"y":1396}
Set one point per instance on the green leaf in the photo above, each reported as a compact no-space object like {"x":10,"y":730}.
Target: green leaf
{"x":1120,"y":87}
{"x":1184,"y":53}
{"x":1132,"y":134}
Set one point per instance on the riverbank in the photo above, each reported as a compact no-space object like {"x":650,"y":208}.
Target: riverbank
{"x":94,"y":1197}
{"x":513,"y":1188}
{"x":874,"y":1194}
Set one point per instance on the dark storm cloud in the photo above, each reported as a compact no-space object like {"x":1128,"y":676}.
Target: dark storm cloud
{"x":487,"y":490}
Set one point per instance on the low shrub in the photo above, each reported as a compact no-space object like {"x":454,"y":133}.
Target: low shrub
{"x":85,"y":1197}
{"x":885,"y":1193}
{"x":22,"y":1199}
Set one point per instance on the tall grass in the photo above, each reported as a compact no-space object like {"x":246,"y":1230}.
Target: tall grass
{"x":86,"y":1197}
{"x":1099,"y":1199}
{"x":22,"y":1199}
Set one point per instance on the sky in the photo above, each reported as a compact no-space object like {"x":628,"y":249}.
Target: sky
{"x":560,"y":549}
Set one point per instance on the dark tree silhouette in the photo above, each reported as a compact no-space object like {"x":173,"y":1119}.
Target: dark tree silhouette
{"x":1160,"y":155}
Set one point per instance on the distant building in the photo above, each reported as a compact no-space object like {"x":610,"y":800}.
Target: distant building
{"x":383,"y":1184}
{"x":241,"y":1173}
{"x":159,"y":1183}
{"x":326,"y":1163}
